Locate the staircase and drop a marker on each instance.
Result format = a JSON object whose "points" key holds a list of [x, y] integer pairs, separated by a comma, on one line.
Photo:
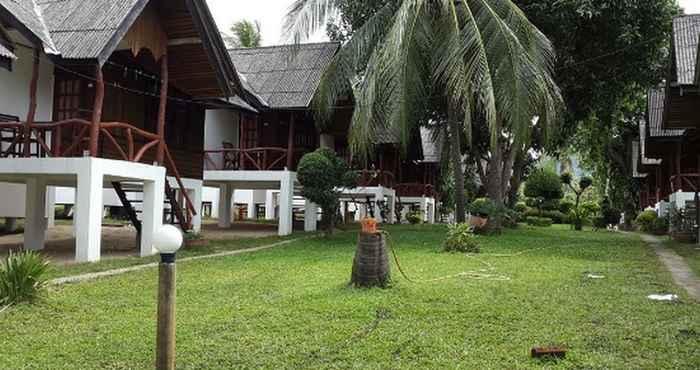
{"points": [[173, 212]]}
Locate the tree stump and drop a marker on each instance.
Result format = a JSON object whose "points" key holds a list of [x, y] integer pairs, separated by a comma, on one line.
{"points": [[371, 264]]}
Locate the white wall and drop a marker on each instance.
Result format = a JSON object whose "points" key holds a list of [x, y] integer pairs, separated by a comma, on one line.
{"points": [[14, 100], [220, 125]]}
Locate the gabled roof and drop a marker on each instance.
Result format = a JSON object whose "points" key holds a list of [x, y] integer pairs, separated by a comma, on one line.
{"points": [[655, 114], [686, 36], [25, 15], [89, 29], [6, 53], [285, 76]]}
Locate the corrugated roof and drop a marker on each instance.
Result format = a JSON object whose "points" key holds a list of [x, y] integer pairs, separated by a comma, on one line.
{"points": [[83, 29], [285, 76], [655, 113], [686, 35], [29, 15], [6, 53]]}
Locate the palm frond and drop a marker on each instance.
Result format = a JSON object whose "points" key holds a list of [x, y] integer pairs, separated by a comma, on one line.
{"points": [[305, 17]]}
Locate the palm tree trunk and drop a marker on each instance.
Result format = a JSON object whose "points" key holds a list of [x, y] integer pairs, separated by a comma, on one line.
{"points": [[494, 185], [457, 169]]}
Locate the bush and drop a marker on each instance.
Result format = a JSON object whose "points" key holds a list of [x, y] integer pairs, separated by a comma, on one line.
{"points": [[22, 277], [521, 207], [461, 238], [483, 207], [660, 226], [545, 184], [645, 221], [565, 206], [556, 216], [414, 217], [539, 221], [599, 222]]}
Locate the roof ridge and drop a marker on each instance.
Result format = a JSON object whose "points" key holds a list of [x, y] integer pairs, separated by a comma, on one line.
{"points": [[287, 45]]}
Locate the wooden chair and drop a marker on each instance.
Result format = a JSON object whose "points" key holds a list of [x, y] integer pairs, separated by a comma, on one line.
{"points": [[231, 158]]}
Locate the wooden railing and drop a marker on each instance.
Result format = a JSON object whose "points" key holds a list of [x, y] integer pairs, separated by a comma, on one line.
{"points": [[375, 178], [415, 190], [252, 159], [688, 182], [132, 147]]}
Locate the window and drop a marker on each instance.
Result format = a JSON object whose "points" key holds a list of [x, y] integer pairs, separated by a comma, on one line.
{"points": [[249, 133], [68, 99]]}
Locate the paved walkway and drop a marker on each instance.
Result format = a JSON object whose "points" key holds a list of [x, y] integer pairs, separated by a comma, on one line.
{"points": [[114, 272], [682, 275]]}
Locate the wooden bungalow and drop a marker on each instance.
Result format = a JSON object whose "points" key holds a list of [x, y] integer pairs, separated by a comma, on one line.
{"points": [[131, 83]]}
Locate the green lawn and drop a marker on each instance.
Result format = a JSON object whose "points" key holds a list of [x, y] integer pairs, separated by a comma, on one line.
{"points": [[291, 308], [691, 253]]}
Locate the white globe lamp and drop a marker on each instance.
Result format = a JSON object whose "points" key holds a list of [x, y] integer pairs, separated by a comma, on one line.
{"points": [[168, 239]]}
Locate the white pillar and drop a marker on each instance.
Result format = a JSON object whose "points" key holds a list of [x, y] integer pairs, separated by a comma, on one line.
{"points": [[251, 206], [269, 205], [88, 215], [327, 141], [378, 197], [196, 197], [152, 216], [424, 208], [286, 204], [392, 208], [225, 198], [51, 206], [431, 210], [35, 215], [310, 216]]}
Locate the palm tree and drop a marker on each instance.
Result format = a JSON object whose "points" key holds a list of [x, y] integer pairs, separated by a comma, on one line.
{"points": [[246, 34], [481, 55]]}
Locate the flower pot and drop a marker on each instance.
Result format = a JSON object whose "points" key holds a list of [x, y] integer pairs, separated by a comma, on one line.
{"points": [[478, 222]]}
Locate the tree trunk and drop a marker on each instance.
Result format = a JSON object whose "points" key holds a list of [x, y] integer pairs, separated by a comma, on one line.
{"points": [[457, 169], [494, 184], [516, 180]]}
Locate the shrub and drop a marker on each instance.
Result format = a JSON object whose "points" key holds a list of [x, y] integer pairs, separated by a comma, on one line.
{"points": [[521, 207], [539, 221], [565, 206], [483, 207], [544, 184], [22, 277], [414, 217], [660, 226], [556, 216], [645, 221], [461, 238], [599, 222]]}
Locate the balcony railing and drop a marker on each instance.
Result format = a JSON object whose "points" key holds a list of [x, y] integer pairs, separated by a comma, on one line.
{"points": [[367, 178], [252, 159], [688, 182], [415, 190]]}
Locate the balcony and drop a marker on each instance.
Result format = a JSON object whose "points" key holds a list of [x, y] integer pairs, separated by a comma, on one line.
{"points": [[415, 190], [252, 159], [684, 182]]}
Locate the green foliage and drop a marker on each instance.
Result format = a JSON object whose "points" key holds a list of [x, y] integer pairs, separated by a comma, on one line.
{"points": [[645, 221], [246, 34], [599, 223], [659, 226], [565, 206], [557, 217], [322, 174], [539, 221], [521, 207], [545, 184], [461, 238], [483, 207], [22, 277], [414, 217]]}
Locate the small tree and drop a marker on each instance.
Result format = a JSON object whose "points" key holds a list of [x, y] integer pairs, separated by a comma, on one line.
{"points": [[322, 174], [583, 184], [544, 186], [246, 34]]}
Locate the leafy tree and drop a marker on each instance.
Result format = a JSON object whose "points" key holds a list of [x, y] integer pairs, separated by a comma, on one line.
{"points": [[609, 52], [476, 56], [544, 187], [246, 34], [322, 174], [578, 189]]}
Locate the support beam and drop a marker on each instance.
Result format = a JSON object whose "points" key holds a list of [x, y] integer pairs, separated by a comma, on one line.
{"points": [[290, 143], [97, 111], [88, 216], [196, 196], [225, 204], [286, 204], [162, 109], [679, 152], [31, 112], [152, 217], [35, 223]]}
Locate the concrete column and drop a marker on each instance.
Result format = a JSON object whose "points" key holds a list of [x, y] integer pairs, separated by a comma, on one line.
{"points": [[35, 215], [269, 205], [392, 208], [378, 197], [225, 200], [51, 206], [196, 197], [431, 211], [286, 204], [327, 141], [251, 206], [88, 216], [424, 208], [310, 216], [152, 216]]}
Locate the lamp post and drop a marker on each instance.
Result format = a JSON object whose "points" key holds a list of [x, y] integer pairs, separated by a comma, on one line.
{"points": [[167, 241]]}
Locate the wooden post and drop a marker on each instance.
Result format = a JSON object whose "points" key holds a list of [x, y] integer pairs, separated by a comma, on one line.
{"points": [[679, 182], [290, 143], [97, 111], [162, 108], [31, 113], [165, 336], [657, 181]]}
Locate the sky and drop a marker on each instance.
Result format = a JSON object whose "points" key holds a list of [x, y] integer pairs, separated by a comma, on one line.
{"points": [[271, 14]]}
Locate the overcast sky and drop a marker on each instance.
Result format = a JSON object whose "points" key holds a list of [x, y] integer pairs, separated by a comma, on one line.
{"points": [[271, 14]]}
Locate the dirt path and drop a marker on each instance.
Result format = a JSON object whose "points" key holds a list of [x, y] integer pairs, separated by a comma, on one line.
{"points": [[682, 275]]}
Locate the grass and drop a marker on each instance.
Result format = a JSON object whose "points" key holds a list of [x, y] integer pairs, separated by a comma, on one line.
{"points": [[290, 307]]}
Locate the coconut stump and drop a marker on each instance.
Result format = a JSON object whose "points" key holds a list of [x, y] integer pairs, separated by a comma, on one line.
{"points": [[371, 265]]}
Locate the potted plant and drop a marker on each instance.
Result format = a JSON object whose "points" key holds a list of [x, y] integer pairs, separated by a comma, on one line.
{"points": [[193, 240]]}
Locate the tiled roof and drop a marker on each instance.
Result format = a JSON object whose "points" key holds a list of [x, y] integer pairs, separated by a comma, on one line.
{"points": [[284, 76], [686, 35], [655, 113], [28, 14], [83, 29]]}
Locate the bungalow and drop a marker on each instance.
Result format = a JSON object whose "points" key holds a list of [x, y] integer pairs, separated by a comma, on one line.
{"points": [[112, 95]]}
